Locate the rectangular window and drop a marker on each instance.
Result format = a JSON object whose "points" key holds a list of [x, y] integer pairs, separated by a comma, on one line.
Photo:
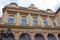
{"points": [[53, 22], [24, 20], [45, 22], [11, 19], [35, 21]]}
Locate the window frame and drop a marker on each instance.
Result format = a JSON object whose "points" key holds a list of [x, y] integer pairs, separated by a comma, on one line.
{"points": [[53, 23], [35, 21], [45, 21], [11, 18], [23, 20]]}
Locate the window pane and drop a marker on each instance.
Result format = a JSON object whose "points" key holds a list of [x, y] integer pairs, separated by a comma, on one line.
{"points": [[9, 37], [53, 22], [24, 20], [51, 37], [35, 21], [39, 37], [24, 37], [11, 19], [45, 22]]}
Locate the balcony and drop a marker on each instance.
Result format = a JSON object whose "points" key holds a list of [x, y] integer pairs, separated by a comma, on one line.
{"points": [[27, 26]]}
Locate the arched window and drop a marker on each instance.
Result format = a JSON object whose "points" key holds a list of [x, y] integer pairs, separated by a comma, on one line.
{"points": [[24, 37], [51, 37], [7, 37], [39, 37], [59, 36]]}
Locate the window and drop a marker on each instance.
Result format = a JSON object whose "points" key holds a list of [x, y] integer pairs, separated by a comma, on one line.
{"points": [[35, 21], [24, 37], [39, 37], [11, 19], [51, 37], [45, 22], [24, 20], [53, 22], [8, 36]]}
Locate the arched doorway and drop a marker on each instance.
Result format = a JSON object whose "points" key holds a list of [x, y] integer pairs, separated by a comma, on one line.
{"points": [[39, 37], [51, 37], [24, 36]]}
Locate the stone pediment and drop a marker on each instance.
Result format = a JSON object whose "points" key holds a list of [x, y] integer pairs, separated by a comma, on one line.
{"points": [[13, 5], [32, 6]]}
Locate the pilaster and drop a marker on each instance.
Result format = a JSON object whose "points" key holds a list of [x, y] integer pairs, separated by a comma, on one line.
{"points": [[5, 17], [41, 20], [30, 19], [18, 18]]}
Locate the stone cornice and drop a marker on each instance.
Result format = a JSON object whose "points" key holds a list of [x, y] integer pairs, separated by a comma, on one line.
{"points": [[29, 27], [28, 11]]}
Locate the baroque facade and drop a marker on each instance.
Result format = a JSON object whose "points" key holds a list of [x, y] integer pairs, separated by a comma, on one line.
{"points": [[21, 23]]}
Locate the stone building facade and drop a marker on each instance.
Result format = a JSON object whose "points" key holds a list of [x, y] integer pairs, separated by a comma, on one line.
{"points": [[20, 23]]}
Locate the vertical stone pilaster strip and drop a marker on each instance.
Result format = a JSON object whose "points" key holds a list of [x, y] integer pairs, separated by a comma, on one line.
{"points": [[39, 23], [18, 18], [30, 19], [41, 20], [5, 17], [49, 21]]}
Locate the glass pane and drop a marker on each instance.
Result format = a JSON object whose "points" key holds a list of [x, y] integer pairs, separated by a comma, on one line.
{"points": [[11, 19], [35, 21], [9, 37], [39, 37], [23, 21], [51, 37], [24, 37], [45, 22], [54, 23]]}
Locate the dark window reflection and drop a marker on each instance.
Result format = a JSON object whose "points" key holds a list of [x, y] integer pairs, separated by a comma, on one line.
{"points": [[7, 37], [24, 37], [51, 37], [39, 37]]}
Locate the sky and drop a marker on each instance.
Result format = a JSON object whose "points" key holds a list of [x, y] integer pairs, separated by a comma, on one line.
{"points": [[40, 4]]}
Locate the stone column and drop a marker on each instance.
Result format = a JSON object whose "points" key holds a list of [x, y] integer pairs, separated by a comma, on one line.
{"points": [[18, 18], [45, 36], [30, 19]]}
